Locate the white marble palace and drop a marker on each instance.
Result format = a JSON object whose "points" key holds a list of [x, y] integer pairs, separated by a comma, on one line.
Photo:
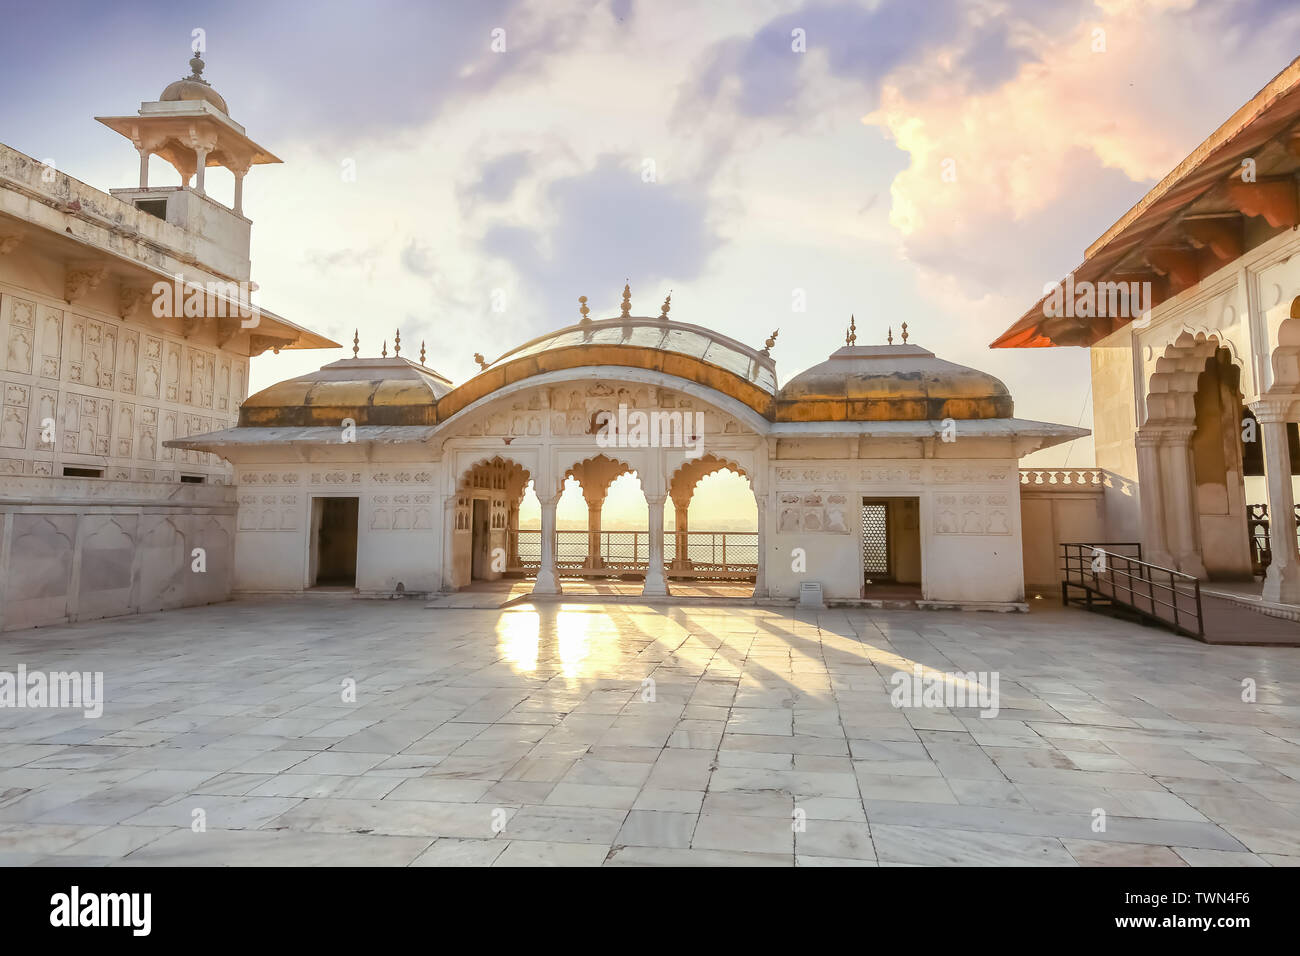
{"points": [[137, 474]]}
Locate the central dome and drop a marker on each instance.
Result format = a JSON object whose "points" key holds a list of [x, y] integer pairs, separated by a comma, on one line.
{"points": [[891, 383]]}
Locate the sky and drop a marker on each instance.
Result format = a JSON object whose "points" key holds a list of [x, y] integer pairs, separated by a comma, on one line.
{"points": [[464, 171]]}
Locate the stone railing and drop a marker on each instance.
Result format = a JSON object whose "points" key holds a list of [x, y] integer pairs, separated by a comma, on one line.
{"points": [[1074, 479], [64, 492]]}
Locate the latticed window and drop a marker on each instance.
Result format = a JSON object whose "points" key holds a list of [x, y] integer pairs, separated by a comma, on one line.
{"points": [[875, 541]]}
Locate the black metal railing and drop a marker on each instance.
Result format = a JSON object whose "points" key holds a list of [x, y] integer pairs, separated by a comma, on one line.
{"points": [[1113, 581], [1261, 549], [717, 555]]}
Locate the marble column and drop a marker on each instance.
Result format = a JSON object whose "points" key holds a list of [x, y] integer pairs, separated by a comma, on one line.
{"points": [[594, 508], [512, 535], [1183, 516], [239, 191], [1155, 543], [548, 579], [760, 581], [449, 543], [144, 168], [1282, 581], [681, 562], [201, 165], [656, 583]]}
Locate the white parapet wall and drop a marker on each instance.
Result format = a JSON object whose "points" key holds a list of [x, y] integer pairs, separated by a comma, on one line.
{"points": [[75, 549]]}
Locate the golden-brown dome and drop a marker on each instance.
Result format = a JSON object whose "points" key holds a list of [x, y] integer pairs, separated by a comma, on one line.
{"points": [[891, 383], [194, 87], [370, 391]]}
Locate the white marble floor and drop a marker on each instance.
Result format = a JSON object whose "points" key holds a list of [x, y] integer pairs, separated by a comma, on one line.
{"points": [[593, 734]]}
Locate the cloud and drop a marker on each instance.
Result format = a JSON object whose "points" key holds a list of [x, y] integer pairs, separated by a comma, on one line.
{"points": [[499, 176], [1062, 140], [605, 224]]}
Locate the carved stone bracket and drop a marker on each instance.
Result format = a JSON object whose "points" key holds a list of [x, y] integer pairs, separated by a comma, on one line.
{"points": [[79, 282], [257, 344], [133, 301]]}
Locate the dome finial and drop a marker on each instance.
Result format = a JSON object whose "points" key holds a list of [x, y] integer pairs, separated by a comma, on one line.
{"points": [[904, 333], [889, 338], [851, 336], [482, 363], [384, 353], [397, 343], [627, 300], [771, 341], [196, 67], [421, 351], [667, 305], [356, 342], [583, 310]]}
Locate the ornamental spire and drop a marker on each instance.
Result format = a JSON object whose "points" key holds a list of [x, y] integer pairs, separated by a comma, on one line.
{"points": [[583, 310], [851, 336], [356, 342], [397, 343], [627, 300], [771, 341], [667, 305], [904, 333], [421, 351]]}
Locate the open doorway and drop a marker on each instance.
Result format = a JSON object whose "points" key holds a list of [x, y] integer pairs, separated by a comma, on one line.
{"points": [[891, 548], [480, 541], [334, 542]]}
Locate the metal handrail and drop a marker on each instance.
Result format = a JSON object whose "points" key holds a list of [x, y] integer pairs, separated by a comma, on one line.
{"points": [[1120, 573]]}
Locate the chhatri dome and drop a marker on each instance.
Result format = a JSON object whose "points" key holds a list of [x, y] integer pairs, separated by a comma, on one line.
{"points": [[194, 87], [890, 383]]}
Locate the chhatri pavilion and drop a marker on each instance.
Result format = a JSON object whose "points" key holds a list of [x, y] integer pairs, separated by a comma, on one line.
{"points": [[884, 471]]}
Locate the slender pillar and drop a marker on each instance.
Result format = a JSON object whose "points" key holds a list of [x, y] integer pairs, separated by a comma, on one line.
{"points": [[594, 508], [1184, 520], [1155, 543], [1282, 581], [656, 583], [201, 165], [144, 168], [681, 561], [239, 191], [760, 581], [548, 579], [512, 535], [449, 543]]}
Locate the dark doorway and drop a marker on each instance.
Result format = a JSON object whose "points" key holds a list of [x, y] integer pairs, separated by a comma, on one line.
{"points": [[891, 548], [336, 541], [479, 550]]}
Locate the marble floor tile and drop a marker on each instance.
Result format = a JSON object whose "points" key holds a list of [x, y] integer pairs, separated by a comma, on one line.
{"points": [[771, 739]]}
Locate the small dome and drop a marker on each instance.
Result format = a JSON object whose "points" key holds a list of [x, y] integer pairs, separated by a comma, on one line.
{"points": [[194, 87], [370, 391], [891, 383]]}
